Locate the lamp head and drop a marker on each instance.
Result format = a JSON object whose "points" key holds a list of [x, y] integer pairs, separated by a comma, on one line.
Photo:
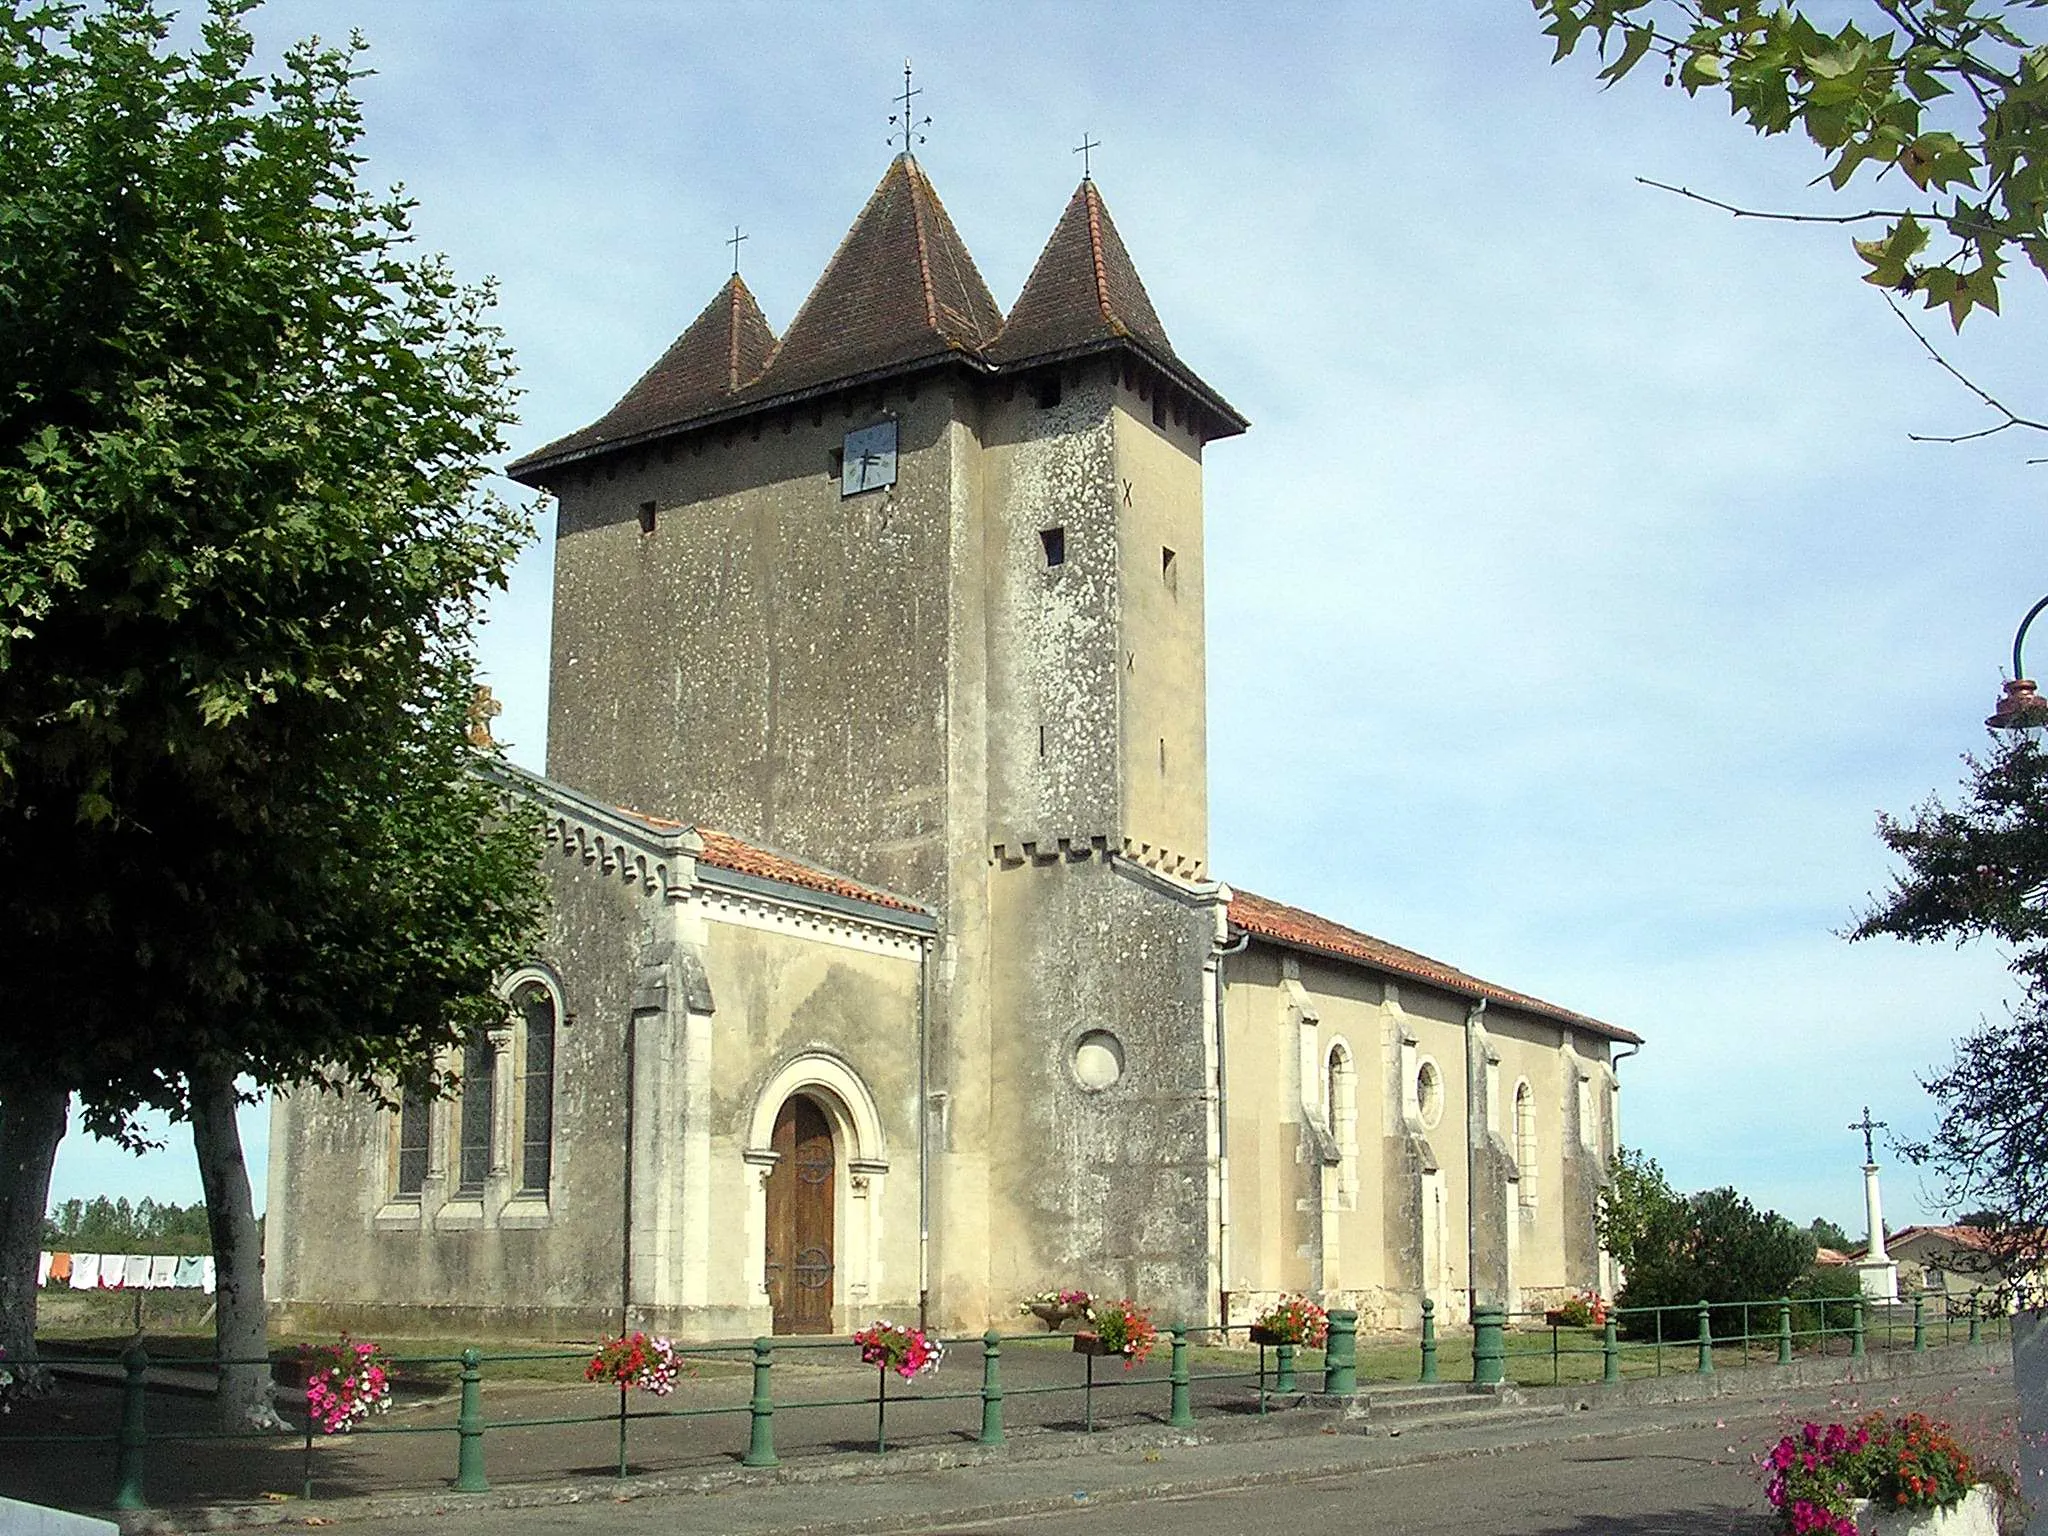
{"points": [[2020, 708]]}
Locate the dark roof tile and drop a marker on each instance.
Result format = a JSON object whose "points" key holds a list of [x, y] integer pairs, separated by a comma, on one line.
{"points": [[1085, 288], [900, 288], [723, 350]]}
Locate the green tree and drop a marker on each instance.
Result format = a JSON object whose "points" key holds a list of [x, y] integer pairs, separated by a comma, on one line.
{"points": [[1951, 95], [243, 547], [1827, 1235], [1677, 1250], [1640, 1213], [1980, 870]]}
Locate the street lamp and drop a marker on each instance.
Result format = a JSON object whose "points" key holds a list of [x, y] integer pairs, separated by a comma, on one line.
{"points": [[2021, 707]]}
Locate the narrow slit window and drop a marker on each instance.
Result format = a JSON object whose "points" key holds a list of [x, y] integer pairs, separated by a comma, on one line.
{"points": [[1162, 754], [1169, 571], [646, 517], [835, 464], [1054, 541], [1041, 741]]}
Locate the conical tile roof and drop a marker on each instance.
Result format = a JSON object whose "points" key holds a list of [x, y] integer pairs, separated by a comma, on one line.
{"points": [[723, 350], [900, 288], [1085, 288]]}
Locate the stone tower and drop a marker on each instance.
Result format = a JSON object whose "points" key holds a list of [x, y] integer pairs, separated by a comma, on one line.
{"points": [[915, 592]]}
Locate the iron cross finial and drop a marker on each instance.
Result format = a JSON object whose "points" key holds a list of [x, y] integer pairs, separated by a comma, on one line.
{"points": [[1082, 150], [903, 119], [1866, 1125], [734, 242]]}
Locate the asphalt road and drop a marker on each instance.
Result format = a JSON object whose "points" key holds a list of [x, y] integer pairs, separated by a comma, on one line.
{"points": [[1682, 1483], [1680, 1470]]}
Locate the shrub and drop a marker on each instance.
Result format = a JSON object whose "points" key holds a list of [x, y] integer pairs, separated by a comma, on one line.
{"points": [[1825, 1297], [1714, 1247]]}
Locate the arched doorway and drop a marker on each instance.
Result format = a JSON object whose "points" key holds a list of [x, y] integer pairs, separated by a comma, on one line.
{"points": [[800, 1191]]}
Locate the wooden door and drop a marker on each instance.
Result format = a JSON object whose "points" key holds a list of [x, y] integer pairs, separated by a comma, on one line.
{"points": [[800, 1196]]}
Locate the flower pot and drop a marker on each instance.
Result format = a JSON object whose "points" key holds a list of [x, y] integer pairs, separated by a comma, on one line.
{"points": [[1054, 1313], [1976, 1514], [1091, 1344], [1269, 1336]]}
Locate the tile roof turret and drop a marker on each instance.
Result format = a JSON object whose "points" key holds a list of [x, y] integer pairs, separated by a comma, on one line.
{"points": [[723, 351], [1085, 295], [1085, 288], [901, 288]]}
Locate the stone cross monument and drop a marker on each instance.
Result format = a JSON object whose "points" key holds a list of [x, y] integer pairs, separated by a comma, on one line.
{"points": [[1878, 1270]]}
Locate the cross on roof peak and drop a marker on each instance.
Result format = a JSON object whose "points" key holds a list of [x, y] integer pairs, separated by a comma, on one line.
{"points": [[903, 122], [734, 241], [1082, 150]]}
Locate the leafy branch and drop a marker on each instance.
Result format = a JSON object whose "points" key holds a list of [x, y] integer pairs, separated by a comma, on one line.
{"points": [[1950, 94]]}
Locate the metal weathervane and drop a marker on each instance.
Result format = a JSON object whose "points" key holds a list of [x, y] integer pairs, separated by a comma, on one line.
{"points": [[903, 121], [1866, 1125]]}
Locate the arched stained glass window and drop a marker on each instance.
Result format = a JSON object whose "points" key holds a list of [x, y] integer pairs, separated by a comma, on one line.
{"points": [[535, 1005]]}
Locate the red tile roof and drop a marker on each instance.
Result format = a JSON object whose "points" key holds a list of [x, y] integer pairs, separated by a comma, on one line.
{"points": [[1085, 288], [1283, 924], [724, 851], [721, 352], [1976, 1239]]}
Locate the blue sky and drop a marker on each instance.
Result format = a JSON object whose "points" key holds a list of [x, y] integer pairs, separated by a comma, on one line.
{"points": [[1577, 598]]}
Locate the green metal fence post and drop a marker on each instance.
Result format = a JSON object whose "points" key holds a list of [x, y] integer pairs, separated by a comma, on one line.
{"points": [[991, 1388], [469, 1427], [1340, 1359], [1706, 1340], [1428, 1339], [761, 1442], [1856, 1330], [1283, 1374], [1610, 1352], [1181, 1409], [1489, 1346], [1785, 1332], [1919, 1325], [134, 1431]]}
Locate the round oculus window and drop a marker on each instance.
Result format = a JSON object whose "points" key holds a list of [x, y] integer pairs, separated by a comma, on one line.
{"points": [[1429, 1094], [1098, 1059]]}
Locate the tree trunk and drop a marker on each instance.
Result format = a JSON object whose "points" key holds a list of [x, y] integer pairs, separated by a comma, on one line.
{"points": [[240, 1324], [31, 1125]]}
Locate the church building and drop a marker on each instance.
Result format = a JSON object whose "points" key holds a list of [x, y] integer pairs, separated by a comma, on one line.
{"points": [[886, 973]]}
